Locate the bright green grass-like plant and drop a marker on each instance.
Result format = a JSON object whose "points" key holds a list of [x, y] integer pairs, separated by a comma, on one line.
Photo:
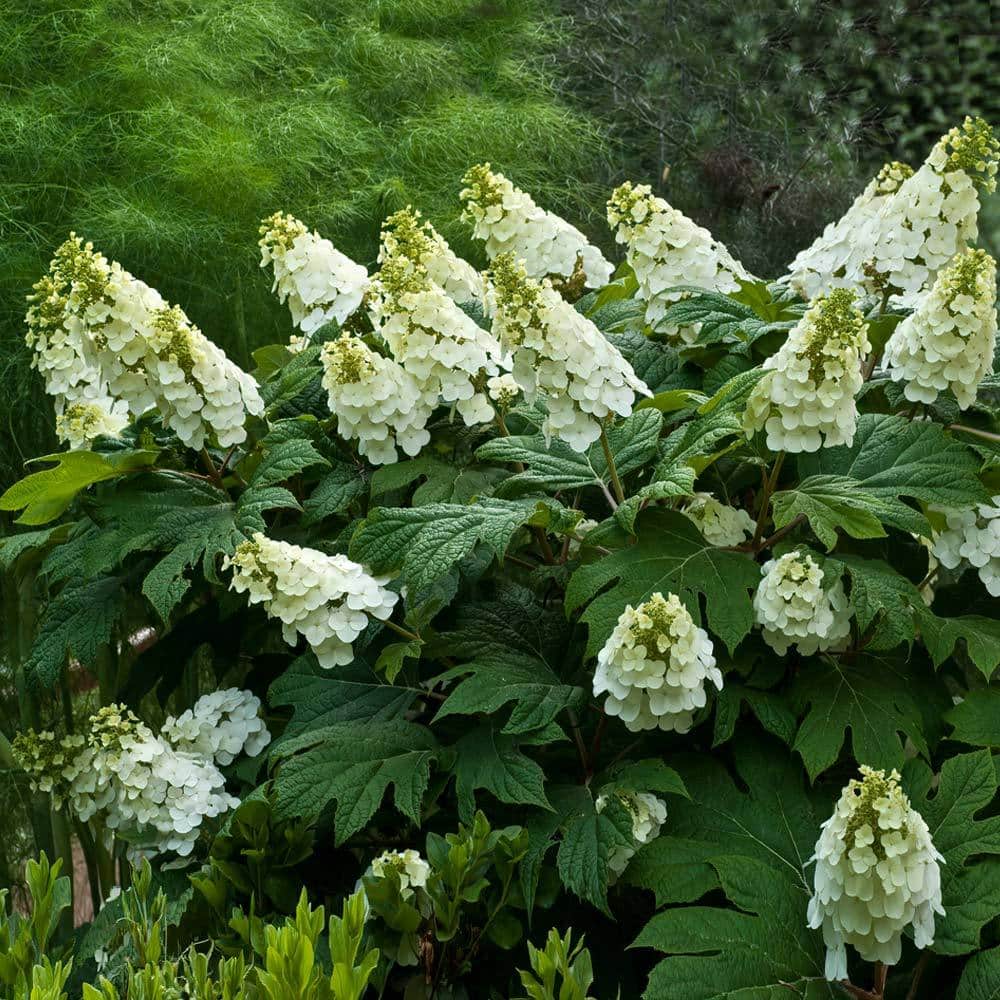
{"points": [[165, 129]]}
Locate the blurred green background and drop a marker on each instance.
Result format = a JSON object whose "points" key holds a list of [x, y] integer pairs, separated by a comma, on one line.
{"points": [[164, 129]]}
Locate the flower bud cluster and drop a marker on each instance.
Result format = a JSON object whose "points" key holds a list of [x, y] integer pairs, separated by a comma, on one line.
{"points": [[948, 342], [510, 222], [154, 791], [877, 873], [794, 606], [654, 666], [666, 249], [560, 355], [648, 814], [972, 537], [448, 354], [404, 235], [327, 599], [320, 284], [806, 399], [376, 402], [718, 522]]}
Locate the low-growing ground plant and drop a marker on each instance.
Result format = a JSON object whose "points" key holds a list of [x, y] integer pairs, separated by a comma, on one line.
{"points": [[573, 629]]}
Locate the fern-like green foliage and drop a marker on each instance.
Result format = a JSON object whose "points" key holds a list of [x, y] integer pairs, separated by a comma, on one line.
{"points": [[165, 129]]}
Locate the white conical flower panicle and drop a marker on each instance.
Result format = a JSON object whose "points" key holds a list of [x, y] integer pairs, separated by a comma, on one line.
{"points": [[376, 402], [320, 284], [666, 249], [510, 222], [154, 356], [67, 305], [837, 258], [405, 235], [932, 216], [948, 342], [448, 354], [560, 355], [795, 605], [327, 599], [877, 873], [718, 522], [84, 420], [154, 791], [806, 399], [137, 349], [654, 666], [648, 814], [220, 725], [973, 537]]}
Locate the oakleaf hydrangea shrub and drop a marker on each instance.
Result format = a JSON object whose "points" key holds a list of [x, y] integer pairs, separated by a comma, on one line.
{"points": [[523, 616]]}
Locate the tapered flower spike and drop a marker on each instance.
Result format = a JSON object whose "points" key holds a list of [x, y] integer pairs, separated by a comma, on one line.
{"points": [[510, 222], [948, 342], [654, 666], [327, 599], [377, 403], [559, 355], [795, 605], [320, 284], [666, 249], [877, 873], [806, 399]]}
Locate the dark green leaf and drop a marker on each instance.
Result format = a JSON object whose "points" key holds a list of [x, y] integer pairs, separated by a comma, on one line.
{"points": [[354, 764], [499, 678], [670, 557]]}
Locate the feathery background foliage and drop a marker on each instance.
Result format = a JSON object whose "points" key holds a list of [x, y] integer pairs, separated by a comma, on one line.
{"points": [[163, 130]]}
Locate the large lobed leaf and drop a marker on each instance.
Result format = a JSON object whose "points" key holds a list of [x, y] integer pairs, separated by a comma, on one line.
{"points": [[670, 556]]}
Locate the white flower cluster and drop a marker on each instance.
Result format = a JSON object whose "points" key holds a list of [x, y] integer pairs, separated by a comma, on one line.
{"points": [[560, 355], [654, 666], [648, 814], [445, 351], [877, 873], [948, 342], [65, 305], [408, 864], [220, 725], [837, 258], [793, 607], [717, 521], [666, 249], [83, 421], [972, 536], [933, 215], [155, 357], [806, 399], [404, 235], [117, 339], [413, 872], [153, 791], [503, 390], [510, 222], [319, 282], [376, 402], [325, 598]]}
